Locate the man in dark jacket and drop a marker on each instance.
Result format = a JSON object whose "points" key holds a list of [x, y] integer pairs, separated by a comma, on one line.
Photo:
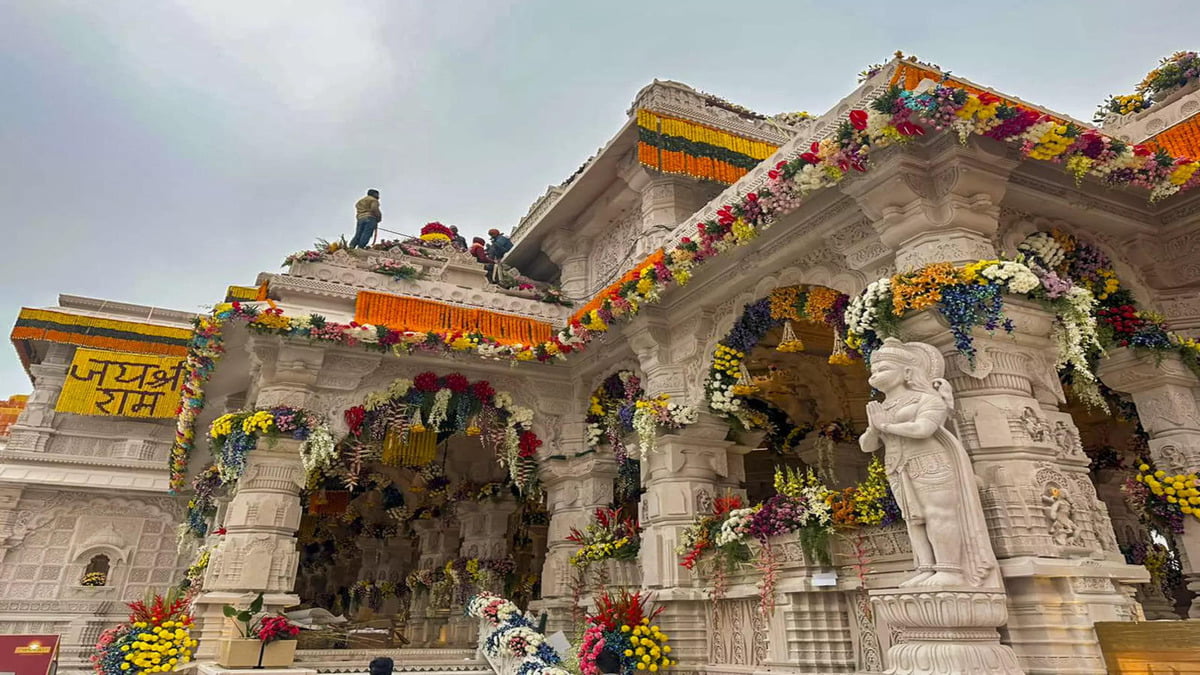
{"points": [[500, 245]]}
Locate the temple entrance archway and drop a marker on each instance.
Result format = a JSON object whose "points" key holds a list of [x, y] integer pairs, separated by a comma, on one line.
{"points": [[433, 498]]}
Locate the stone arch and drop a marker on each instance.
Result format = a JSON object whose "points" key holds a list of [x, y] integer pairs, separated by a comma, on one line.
{"points": [[728, 312], [1020, 227]]}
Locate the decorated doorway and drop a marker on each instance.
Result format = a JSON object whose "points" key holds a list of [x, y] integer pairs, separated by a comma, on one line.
{"points": [[430, 498]]}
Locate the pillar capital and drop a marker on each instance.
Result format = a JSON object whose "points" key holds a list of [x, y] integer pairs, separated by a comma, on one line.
{"points": [[935, 202]]}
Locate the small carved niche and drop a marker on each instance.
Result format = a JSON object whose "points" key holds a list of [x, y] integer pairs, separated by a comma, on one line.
{"points": [[96, 572]]}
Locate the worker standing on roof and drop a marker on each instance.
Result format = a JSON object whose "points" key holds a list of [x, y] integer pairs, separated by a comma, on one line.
{"points": [[367, 217], [496, 250]]}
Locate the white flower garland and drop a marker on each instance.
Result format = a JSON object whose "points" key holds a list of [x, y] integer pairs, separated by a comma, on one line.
{"points": [[318, 452], [860, 313], [1044, 248], [437, 413]]}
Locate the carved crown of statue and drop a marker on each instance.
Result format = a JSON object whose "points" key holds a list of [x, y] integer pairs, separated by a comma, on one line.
{"points": [[928, 468]]}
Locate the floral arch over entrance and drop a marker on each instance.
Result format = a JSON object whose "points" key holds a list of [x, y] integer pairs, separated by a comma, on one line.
{"points": [[403, 424]]}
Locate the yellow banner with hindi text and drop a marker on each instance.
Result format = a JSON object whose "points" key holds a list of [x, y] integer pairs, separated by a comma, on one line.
{"points": [[117, 384]]}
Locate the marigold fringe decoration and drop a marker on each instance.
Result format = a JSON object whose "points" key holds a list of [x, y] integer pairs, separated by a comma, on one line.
{"points": [[790, 342], [413, 314], [92, 331]]}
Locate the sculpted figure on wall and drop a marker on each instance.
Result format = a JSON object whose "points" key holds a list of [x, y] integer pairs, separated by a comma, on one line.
{"points": [[928, 468]]}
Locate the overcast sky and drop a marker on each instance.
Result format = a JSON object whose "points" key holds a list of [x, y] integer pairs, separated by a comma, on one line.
{"points": [[157, 151]]}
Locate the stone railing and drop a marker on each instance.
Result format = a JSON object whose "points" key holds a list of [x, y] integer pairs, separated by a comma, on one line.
{"points": [[335, 279], [1174, 107]]}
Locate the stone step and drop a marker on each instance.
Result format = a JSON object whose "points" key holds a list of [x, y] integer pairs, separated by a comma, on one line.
{"points": [[431, 661]]}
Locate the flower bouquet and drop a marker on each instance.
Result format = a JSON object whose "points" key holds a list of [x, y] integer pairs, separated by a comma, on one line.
{"points": [[609, 536], [156, 639], [436, 234], [623, 626], [267, 641], [396, 270]]}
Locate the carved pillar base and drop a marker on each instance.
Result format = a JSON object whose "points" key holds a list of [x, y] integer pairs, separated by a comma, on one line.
{"points": [[946, 631]]}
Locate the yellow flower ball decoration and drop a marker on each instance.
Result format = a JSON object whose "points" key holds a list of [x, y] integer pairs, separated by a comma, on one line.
{"points": [[260, 422], [158, 649], [1182, 489], [649, 647]]}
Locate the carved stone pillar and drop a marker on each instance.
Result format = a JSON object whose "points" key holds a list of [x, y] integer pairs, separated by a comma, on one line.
{"points": [[575, 487], [571, 253], [32, 430], [258, 553], [1165, 391], [437, 541], [484, 528], [1051, 533], [682, 476], [937, 202]]}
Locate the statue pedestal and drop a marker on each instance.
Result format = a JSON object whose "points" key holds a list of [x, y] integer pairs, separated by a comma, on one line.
{"points": [[946, 631]]}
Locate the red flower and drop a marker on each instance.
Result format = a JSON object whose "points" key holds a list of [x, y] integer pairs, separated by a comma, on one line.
{"points": [[988, 99], [1142, 151], [907, 128], [725, 215], [752, 196], [782, 163], [220, 532], [483, 391], [426, 382], [811, 156], [354, 419], [456, 383], [858, 119], [772, 174], [529, 444]]}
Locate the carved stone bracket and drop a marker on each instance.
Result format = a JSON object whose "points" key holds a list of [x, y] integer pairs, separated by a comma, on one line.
{"points": [[937, 203]]}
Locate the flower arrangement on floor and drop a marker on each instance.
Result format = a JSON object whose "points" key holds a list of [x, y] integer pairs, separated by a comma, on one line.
{"points": [[513, 636], [323, 249], [156, 638], [436, 233], [623, 624], [232, 436], [396, 270], [253, 623], [1173, 72], [868, 503], [893, 117], [397, 417], [1161, 499], [609, 535], [94, 579], [710, 534]]}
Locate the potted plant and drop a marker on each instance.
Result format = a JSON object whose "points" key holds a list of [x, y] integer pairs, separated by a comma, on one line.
{"points": [[264, 642]]}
